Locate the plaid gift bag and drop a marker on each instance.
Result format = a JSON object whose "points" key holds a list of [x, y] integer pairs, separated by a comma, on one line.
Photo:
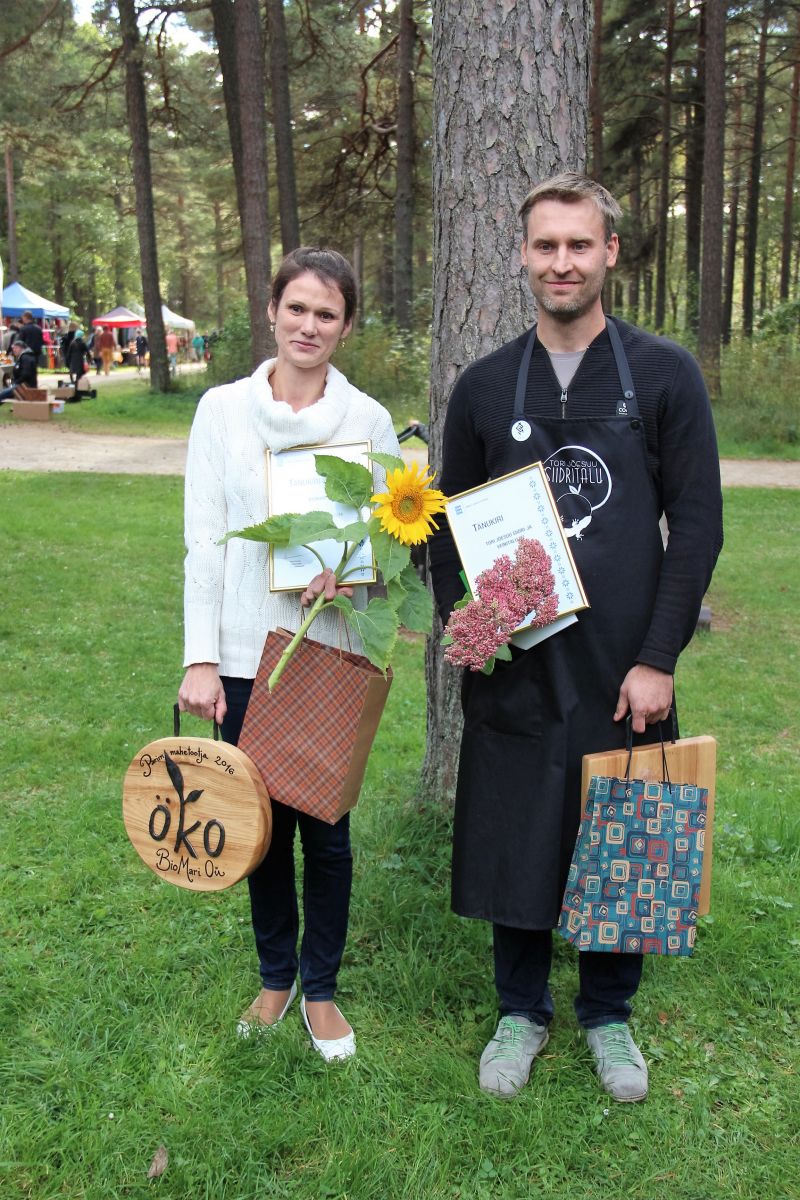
{"points": [[311, 737], [634, 881]]}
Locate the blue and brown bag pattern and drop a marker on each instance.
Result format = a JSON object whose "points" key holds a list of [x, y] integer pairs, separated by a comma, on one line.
{"points": [[634, 882]]}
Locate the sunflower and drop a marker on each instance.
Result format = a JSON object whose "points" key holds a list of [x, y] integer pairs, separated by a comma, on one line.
{"points": [[406, 509]]}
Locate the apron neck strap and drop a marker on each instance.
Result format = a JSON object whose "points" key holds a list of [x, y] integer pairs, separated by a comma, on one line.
{"points": [[627, 407]]}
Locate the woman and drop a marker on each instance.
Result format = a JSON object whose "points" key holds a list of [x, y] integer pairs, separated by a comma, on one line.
{"points": [[78, 358], [295, 399]]}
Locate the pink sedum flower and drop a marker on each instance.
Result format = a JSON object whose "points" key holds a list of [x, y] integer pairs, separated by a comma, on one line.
{"points": [[506, 592]]}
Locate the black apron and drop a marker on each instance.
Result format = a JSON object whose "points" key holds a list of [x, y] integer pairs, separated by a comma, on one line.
{"points": [[528, 724]]}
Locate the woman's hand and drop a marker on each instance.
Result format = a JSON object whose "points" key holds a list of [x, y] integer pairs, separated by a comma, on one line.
{"points": [[202, 693], [324, 582]]}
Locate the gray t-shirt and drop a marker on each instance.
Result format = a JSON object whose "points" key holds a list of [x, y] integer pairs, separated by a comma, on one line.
{"points": [[565, 364]]}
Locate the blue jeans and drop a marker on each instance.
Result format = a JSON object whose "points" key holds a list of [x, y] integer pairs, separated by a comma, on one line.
{"points": [[522, 968], [327, 880]]}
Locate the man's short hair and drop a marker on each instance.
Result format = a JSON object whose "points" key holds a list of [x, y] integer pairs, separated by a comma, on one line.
{"points": [[19, 342], [570, 187], [27, 314]]}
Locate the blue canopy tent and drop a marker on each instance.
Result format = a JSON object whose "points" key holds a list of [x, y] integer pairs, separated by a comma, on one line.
{"points": [[18, 299]]}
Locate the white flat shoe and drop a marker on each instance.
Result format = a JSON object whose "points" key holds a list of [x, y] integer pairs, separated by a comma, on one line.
{"points": [[332, 1048], [245, 1027]]}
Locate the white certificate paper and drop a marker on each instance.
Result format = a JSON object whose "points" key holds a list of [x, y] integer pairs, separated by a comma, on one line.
{"points": [[489, 520], [293, 486]]}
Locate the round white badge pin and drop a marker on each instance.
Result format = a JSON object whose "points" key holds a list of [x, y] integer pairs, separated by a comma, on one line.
{"points": [[520, 431]]}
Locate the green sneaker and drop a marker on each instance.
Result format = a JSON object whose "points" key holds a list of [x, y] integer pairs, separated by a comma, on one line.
{"points": [[622, 1070], [506, 1061]]}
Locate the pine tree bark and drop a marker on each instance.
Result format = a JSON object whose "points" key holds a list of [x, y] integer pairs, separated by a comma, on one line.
{"points": [[754, 180], [136, 103], [710, 323], [282, 126], [596, 92], [791, 161], [511, 88], [664, 172], [254, 214], [695, 140], [222, 12], [404, 174], [731, 241], [11, 203]]}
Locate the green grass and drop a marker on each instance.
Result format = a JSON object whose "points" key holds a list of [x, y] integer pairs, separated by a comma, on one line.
{"points": [[120, 992], [129, 407], [758, 415]]}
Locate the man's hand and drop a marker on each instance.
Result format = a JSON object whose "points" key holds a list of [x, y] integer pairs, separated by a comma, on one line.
{"points": [[202, 693], [324, 582], [647, 693]]}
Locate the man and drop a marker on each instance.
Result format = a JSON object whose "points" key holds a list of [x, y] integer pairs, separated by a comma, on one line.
{"points": [[31, 334], [141, 352], [106, 343], [24, 371], [622, 422]]}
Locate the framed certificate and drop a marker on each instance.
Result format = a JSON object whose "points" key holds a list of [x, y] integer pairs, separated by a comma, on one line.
{"points": [[489, 520], [293, 486]]}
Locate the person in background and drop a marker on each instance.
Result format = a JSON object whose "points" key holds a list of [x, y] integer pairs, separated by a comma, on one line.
{"points": [[172, 351], [198, 346], [297, 398], [106, 343], [141, 352], [66, 341], [78, 358], [25, 370], [32, 334]]}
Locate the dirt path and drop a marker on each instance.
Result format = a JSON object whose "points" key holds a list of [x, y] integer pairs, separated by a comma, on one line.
{"points": [[39, 446]]}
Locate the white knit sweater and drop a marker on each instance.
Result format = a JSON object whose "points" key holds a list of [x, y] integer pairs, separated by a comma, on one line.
{"points": [[228, 607]]}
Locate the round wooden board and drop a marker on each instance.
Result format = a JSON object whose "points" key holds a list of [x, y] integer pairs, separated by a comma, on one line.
{"points": [[202, 822]]}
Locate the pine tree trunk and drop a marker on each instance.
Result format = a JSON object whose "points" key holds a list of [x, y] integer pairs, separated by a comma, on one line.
{"points": [[222, 12], [142, 178], [510, 108], [220, 276], [282, 124], [404, 187], [664, 173], [255, 211], [11, 201], [710, 326], [754, 182], [695, 137], [791, 160], [595, 92], [729, 276]]}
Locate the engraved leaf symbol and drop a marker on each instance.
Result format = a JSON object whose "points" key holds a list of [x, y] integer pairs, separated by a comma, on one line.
{"points": [[159, 1164], [174, 773], [195, 795], [576, 491]]}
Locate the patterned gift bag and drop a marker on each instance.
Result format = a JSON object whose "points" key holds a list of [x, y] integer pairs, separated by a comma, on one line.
{"points": [[634, 881]]}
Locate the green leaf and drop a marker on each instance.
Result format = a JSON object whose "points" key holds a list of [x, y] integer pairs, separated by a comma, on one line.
{"points": [[488, 666], [376, 625], [275, 530], [389, 462], [354, 532], [312, 527], [412, 600], [391, 556], [503, 653], [345, 482]]}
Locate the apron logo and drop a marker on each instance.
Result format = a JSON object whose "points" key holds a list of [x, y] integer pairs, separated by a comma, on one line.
{"points": [[581, 484], [520, 431]]}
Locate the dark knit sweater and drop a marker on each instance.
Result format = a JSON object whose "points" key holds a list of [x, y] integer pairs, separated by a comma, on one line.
{"points": [[681, 452]]}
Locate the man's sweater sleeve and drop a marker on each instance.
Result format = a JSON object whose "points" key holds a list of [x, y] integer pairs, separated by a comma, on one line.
{"points": [[692, 501]]}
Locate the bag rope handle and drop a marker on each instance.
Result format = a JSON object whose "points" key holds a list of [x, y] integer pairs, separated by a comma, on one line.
{"points": [[629, 747], [176, 724]]}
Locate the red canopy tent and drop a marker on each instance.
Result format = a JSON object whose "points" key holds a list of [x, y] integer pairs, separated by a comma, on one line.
{"points": [[119, 318]]}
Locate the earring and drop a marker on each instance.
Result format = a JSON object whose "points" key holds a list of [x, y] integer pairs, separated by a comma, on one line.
{"points": [[271, 328], [343, 342]]}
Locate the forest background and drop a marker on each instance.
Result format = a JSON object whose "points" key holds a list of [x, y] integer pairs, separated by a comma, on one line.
{"points": [[271, 124]]}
